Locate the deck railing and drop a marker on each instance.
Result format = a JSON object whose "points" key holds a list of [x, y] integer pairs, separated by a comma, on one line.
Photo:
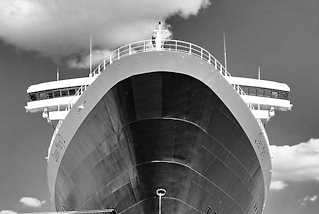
{"points": [[148, 46], [167, 45]]}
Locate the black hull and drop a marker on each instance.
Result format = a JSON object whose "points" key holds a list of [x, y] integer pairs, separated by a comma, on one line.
{"points": [[160, 130]]}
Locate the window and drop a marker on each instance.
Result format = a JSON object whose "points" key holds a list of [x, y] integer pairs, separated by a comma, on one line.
{"points": [[56, 94], [64, 93], [245, 89], [43, 96], [267, 92], [72, 92], [33, 97], [274, 94], [260, 92], [252, 91], [283, 95], [50, 94]]}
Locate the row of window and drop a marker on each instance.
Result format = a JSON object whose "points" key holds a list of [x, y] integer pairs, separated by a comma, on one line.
{"points": [[262, 107], [265, 92], [42, 95], [253, 91]]}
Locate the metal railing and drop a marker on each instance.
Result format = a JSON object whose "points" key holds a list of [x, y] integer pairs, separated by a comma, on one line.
{"points": [[79, 92], [167, 45]]}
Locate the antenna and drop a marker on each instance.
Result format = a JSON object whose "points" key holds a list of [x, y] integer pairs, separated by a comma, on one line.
{"points": [[259, 79], [259, 72], [225, 51], [57, 73], [90, 55]]}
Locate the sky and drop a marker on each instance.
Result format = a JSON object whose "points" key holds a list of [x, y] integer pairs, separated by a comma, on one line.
{"points": [[279, 35]]}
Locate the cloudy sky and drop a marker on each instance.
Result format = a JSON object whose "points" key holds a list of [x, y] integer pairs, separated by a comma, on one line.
{"points": [[280, 35]]}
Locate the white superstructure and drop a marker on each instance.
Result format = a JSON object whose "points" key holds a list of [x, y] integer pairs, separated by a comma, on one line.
{"points": [[264, 96], [54, 99]]}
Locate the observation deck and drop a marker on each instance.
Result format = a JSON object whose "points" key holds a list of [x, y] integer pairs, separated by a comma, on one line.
{"points": [[55, 99]]}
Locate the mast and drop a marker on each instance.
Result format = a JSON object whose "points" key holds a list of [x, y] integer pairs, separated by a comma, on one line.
{"points": [[90, 55], [225, 51], [259, 72], [57, 73]]}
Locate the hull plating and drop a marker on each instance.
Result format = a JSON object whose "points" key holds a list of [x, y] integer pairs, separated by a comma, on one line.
{"points": [[160, 130]]}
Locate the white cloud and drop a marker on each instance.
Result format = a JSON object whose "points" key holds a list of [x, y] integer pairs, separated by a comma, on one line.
{"points": [[31, 202], [277, 185], [295, 163], [307, 199], [62, 27], [8, 212], [313, 198], [84, 61]]}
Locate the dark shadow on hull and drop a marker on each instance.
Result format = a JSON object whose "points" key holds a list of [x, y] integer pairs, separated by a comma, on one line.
{"points": [[160, 130]]}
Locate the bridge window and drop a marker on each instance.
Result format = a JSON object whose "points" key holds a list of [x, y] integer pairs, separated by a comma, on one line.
{"points": [[56, 93], [50, 95], [33, 96], [72, 92], [42, 95], [252, 91], [260, 92], [245, 89], [274, 94], [283, 95], [64, 93], [265, 92]]}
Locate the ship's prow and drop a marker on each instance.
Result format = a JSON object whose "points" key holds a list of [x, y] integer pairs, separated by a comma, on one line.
{"points": [[162, 114]]}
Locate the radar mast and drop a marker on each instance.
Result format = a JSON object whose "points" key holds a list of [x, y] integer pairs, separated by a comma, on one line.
{"points": [[160, 34]]}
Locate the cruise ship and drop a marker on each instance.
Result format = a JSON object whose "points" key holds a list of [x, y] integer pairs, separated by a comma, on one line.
{"points": [[159, 126]]}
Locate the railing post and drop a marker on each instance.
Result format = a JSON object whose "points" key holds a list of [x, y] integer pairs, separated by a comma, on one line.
{"points": [[190, 48], [201, 53], [144, 46], [176, 45], [221, 69], [118, 54], [104, 64], [111, 58]]}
